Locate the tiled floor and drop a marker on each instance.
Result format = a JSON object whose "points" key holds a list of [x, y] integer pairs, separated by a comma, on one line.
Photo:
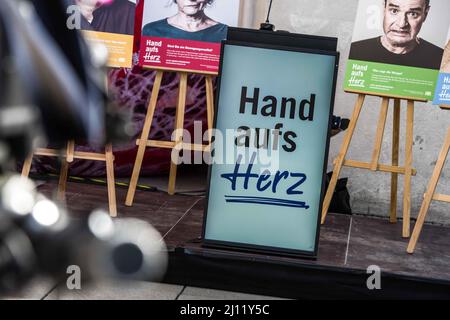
{"points": [[345, 241], [36, 290], [353, 242], [376, 242], [47, 290]]}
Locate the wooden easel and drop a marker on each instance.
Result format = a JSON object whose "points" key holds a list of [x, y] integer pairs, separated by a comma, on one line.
{"points": [[68, 156], [144, 141], [374, 165], [431, 194]]}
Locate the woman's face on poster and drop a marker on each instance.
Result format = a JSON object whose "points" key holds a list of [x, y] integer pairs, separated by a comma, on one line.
{"points": [[191, 7]]}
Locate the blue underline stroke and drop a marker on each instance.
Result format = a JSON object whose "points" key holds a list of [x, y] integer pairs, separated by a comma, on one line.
{"points": [[262, 198], [267, 201]]}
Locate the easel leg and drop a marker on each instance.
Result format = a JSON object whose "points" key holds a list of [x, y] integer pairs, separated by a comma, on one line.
{"points": [[210, 104], [65, 171], [144, 137], [27, 166], [408, 169], [395, 156], [70, 151], [380, 134], [63, 180], [429, 194], [179, 132], [341, 157], [111, 181]]}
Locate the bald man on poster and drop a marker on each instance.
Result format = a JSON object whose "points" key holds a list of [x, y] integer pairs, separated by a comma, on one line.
{"points": [[400, 44]]}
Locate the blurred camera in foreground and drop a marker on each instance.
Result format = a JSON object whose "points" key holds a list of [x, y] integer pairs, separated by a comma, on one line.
{"points": [[37, 237]]}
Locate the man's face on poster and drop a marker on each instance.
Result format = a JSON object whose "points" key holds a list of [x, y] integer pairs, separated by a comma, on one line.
{"points": [[403, 20], [191, 7]]}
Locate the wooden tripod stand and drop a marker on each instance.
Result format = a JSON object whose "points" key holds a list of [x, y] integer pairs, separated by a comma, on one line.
{"points": [[143, 142], [431, 194], [69, 155], [374, 165]]}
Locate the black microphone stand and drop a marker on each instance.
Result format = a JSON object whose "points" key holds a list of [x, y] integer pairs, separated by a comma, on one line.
{"points": [[267, 26]]}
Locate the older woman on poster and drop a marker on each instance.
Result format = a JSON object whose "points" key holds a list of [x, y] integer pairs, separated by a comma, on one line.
{"points": [[189, 23]]}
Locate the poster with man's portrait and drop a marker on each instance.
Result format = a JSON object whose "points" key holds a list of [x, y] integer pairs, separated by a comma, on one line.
{"points": [[397, 48], [110, 23], [442, 95], [186, 35]]}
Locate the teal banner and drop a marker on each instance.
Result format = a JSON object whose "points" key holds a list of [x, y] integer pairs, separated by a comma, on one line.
{"points": [[274, 111]]}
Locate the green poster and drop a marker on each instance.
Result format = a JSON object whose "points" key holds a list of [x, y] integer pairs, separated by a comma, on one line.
{"points": [[397, 48], [390, 80]]}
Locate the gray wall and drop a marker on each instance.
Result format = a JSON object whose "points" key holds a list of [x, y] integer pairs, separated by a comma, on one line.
{"points": [[370, 192]]}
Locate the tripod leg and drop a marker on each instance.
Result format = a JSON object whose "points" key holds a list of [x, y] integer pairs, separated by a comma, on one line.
{"points": [[395, 156], [408, 169], [210, 103], [27, 166], [144, 137], [70, 151], [111, 181], [64, 172], [341, 157], [179, 126], [429, 194], [380, 134]]}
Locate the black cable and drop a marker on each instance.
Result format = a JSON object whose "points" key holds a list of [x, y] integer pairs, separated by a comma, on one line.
{"points": [[268, 13], [267, 26]]}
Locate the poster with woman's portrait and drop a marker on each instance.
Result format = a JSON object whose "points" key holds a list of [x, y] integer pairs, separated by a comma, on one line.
{"points": [[442, 95], [397, 48], [186, 35], [110, 23]]}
